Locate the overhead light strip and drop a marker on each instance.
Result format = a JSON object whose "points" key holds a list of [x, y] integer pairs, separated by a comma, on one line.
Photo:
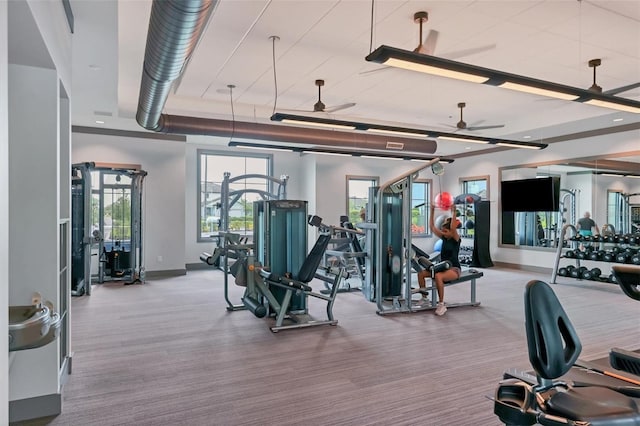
{"points": [[339, 152], [433, 65], [403, 131]]}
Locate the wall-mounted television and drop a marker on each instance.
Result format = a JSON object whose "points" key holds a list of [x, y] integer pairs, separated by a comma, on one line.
{"points": [[531, 195]]}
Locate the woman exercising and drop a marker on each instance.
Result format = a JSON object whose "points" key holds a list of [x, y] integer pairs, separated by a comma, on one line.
{"points": [[448, 232]]}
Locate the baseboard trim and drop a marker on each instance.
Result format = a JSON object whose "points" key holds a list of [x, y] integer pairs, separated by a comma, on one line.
{"points": [[528, 268], [167, 273], [198, 266], [36, 407]]}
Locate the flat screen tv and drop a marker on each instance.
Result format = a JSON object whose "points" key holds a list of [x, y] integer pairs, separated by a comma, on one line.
{"points": [[531, 195]]}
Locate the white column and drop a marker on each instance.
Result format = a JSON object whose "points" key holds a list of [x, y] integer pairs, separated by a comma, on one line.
{"points": [[4, 215], [33, 215]]}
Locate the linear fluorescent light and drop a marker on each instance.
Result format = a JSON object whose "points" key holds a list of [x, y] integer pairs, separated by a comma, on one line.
{"points": [[266, 148], [337, 154], [458, 70], [459, 139], [612, 105], [401, 131], [377, 157], [538, 91], [633, 176], [512, 145], [317, 124], [412, 66], [396, 132]]}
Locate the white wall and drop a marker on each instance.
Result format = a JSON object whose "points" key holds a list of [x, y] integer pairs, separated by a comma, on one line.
{"points": [[163, 190], [4, 214], [52, 24]]}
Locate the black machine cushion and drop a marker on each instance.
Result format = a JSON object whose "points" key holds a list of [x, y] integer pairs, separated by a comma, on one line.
{"points": [[595, 404], [628, 277], [311, 263], [552, 341]]}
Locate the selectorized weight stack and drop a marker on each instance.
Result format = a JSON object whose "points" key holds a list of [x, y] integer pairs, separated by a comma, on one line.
{"points": [[280, 241]]}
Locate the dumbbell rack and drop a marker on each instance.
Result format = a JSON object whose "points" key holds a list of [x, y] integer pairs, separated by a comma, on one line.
{"points": [[625, 249]]}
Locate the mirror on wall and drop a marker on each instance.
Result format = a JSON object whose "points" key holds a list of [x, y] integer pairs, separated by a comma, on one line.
{"points": [[537, 200]]}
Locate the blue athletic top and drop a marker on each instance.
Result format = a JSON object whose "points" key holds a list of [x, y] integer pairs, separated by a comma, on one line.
{"points": [[450, 251]]}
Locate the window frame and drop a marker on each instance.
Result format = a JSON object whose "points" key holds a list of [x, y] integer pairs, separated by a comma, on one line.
{"points": [[349, 178], [211, 152], [428, 197], [464, 180]]}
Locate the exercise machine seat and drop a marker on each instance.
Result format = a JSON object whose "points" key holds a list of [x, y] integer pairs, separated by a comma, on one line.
{"points": [[628, 278], [554, 347], [553, 343]]}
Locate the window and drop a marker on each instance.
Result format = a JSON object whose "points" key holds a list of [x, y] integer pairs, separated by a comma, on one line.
{"points": [[211, 169], [476, 185], [420, 199], [358, 195], [615, 210]]}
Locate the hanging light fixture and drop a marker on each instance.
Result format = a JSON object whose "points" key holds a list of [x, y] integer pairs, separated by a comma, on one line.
{"points": [[441, 67], [401, 131]]}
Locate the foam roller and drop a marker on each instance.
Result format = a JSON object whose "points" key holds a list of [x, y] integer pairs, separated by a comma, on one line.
{"points": [[207, 258], [256, 308]]}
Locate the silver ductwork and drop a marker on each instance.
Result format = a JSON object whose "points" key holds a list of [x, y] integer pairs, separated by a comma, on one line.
{"points": [[174, 30]]}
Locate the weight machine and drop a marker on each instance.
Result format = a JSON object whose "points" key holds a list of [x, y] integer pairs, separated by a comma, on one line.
{"points": [[233, 246], [388, 234], [276, 271], [106, 206]]}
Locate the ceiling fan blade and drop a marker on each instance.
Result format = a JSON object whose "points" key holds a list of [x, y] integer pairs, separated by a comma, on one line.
{"points": [[621, 89], [373, 71], [429, 45], [467, 52], [340, 107], [496, 126]]}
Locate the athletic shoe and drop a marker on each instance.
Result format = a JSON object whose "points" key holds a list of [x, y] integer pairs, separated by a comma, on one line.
{"points": [[422, 290], [441, 309]]}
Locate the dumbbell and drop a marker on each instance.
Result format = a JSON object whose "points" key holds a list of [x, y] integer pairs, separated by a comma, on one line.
{"points": [[593, 274], [612, 278], [635, 259], [570, 254], [563, 272], [577, 272], [622, 257], [608, 256]]}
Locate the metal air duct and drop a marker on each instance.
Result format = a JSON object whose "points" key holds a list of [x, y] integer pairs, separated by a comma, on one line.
{"points": [[174, 30]]}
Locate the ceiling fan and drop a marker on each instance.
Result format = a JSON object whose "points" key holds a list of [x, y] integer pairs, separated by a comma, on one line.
{"points": [[321, 107], [462, 125], [427, 45], [595, 63]]}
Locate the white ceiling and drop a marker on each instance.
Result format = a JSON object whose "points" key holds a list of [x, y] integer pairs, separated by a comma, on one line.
{"points": [[327, 39]]}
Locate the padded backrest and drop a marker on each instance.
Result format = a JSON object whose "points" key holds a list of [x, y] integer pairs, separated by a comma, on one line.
{"points": [[311, 263], [553, 343]]}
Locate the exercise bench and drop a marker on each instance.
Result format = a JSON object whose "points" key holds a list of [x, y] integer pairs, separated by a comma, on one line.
{"points": [[470, 275]]}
